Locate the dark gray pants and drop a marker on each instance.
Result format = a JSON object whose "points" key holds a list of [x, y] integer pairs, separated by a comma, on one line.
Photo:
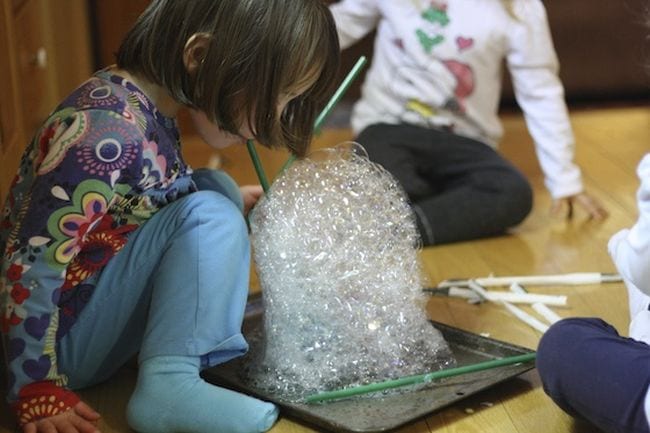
{"points": [[459, 188]]}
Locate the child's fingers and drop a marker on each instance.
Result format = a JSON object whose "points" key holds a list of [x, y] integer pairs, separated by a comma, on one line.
{"points": [[558, 208], [81, 419], [86, 412], [82, 425], [45, 426], [65, 427], [251, 194], [29, 428], [592, 206]]}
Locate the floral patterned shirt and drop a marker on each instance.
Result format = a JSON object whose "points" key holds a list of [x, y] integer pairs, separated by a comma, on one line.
{"points": [[102, 164]]}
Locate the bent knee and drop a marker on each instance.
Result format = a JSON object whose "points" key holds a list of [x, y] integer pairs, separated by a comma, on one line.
{"points": [[564, 340], [512, 196], [211, 201], [521, 196], [517, 197], [563, 334], [212, 208], [219, 181]]}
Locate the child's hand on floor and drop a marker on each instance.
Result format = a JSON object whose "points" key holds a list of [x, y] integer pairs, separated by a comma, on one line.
{"points": [[588, 203], [80, 419]]}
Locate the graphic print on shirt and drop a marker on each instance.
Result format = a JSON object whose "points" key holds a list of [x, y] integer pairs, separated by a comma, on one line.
{"points": [[436, 15], [455, 78]]}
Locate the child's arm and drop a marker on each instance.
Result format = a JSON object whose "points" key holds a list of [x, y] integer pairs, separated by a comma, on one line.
{"points": [[355, 19], [60, 197], [533, 66]]}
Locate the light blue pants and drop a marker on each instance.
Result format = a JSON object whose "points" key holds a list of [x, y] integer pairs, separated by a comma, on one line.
{"points": [[178, 287]]}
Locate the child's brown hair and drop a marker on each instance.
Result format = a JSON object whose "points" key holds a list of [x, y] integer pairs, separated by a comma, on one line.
{"points": [[258, 50]]}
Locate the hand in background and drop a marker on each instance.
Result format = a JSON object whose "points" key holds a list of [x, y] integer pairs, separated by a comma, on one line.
{"points": [[588, 203], [251, 194], [80, 419]]}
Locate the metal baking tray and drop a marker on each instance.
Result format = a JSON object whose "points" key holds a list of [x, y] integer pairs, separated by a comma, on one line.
{"points": [[383, 413]]}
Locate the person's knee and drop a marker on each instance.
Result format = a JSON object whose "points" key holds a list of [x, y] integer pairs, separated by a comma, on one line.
{"points": [[568, 332], [376, 141], [517, 197], [212, 203], [554, 342], [511, 195], [216, 211], [219, 181], [523, 195], [554, 352], [561, 336], [561, 344]]}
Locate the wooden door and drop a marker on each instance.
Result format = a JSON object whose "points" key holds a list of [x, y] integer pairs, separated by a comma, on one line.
{"points": [[11, 121], [112, 20]]}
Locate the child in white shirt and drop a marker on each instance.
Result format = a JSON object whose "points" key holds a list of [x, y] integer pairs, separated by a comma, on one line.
{"points": [[429, 109]]}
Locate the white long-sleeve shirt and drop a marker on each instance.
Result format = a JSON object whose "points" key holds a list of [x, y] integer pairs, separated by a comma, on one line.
{"points": [[439, 63], [630, 250]]}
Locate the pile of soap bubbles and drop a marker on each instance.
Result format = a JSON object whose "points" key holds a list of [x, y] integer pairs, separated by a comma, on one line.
{"points": [[336, 250]]}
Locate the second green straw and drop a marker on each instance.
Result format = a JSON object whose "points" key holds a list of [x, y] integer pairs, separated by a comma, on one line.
{"points": [[421, 378]]}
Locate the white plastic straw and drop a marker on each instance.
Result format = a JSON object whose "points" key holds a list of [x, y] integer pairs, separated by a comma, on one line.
{"points": [[512, 297], [516, 311], [526, 318], [541, 309], [575, 278]]}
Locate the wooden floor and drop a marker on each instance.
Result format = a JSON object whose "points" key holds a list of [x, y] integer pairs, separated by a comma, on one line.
{"points": [[610, 144]]}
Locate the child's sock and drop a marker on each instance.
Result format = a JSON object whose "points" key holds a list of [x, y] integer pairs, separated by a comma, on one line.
{"points": [[171, 397]]}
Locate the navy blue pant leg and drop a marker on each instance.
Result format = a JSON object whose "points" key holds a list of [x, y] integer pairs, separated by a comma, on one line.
{"points": [[593, 373]]}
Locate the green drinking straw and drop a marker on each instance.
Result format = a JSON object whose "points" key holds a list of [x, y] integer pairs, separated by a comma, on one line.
{"points": [[347, 81], [258, 165], [421, 378]]}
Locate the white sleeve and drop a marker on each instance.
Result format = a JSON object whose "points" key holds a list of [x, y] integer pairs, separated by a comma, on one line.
{"points": [[355, 19], [630, 249], [533, 66]]}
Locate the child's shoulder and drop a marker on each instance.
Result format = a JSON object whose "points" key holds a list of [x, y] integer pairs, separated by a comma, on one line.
{"points": [[103, 91], [107, 101]]}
